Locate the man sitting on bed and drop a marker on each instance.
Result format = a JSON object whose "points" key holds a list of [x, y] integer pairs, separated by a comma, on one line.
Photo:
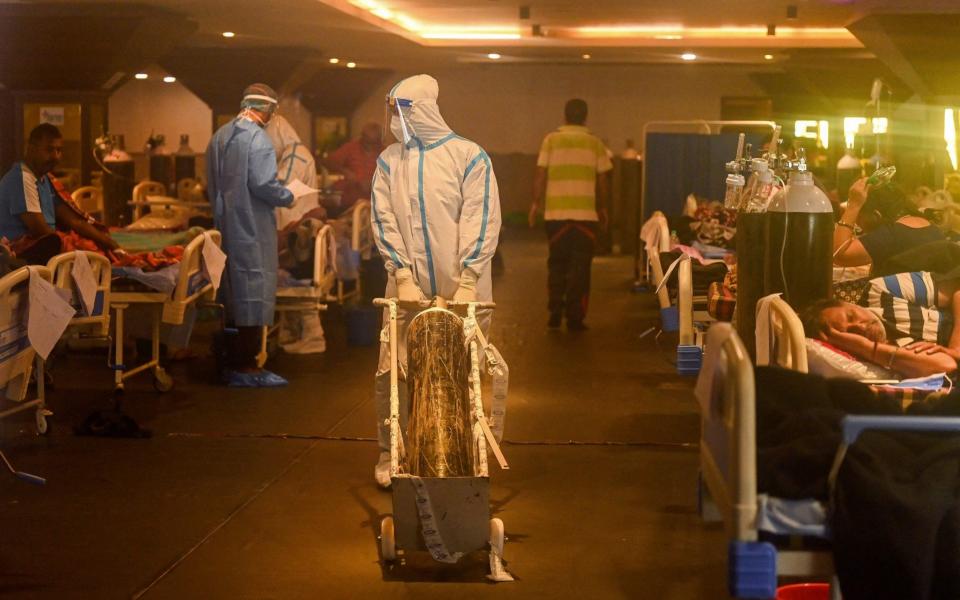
{"points": [[31, 205], [908, 323]]}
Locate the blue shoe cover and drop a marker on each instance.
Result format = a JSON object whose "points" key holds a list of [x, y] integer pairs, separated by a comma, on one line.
{"points": [[238, 379], [267, 379]]}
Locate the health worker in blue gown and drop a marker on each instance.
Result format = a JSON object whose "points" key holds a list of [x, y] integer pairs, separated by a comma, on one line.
{"points": [[244, 191]]}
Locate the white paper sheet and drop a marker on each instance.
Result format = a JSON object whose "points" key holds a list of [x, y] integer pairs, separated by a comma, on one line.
{"points": [[47, 316], [86, 283], [300, 189], [214, 259]]}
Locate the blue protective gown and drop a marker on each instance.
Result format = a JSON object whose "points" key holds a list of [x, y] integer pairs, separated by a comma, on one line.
{"points": [[243, 188]]}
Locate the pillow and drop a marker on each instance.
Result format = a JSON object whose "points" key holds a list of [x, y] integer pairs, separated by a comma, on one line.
{"points": [[827, 361]]}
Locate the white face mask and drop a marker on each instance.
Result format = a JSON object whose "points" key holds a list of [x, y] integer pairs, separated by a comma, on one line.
{"points": [[397, 129]]}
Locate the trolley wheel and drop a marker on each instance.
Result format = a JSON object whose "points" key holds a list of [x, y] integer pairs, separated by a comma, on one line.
{"points": [[162, 381], [496, 536], [388, 542], [41, 422]]}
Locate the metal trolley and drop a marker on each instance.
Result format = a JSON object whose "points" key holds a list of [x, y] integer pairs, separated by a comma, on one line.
{"points": [[447, 516]]}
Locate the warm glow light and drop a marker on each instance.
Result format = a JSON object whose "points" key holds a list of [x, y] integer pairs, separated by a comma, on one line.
{"points": [[879, 124], [141, 76], [169, 79], [586, 57], [407, 23], [228, 34], [351, 65], [334, 61], [383, 13], [767, 57], [813, 130], [493, 56], [468, 35], [950, 135], [801, 129], [666, 32], [851, 126], [688, 56]]}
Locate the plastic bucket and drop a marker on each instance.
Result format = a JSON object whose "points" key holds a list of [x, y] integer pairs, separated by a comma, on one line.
{"points": [[363, 326], [804, 591]]}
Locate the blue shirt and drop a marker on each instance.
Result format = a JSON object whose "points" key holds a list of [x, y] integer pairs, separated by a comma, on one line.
{"points": [[21, 192]]}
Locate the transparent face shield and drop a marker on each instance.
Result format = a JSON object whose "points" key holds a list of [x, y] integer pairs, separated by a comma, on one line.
{"points": [[399, 107]]}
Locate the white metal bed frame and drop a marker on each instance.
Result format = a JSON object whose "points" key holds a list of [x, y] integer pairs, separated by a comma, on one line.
{"points": [[170, 308], [306, 298], [15, 371]]}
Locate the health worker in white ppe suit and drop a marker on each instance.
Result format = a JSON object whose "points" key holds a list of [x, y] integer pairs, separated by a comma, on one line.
{"points": [[300, 332], [436, 221]]}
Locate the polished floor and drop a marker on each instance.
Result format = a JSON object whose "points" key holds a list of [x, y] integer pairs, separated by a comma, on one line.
{"points": [[270, 494]]}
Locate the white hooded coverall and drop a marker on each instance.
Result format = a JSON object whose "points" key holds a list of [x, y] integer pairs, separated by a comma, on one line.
{"points": [[435, 210], [302, 332]]}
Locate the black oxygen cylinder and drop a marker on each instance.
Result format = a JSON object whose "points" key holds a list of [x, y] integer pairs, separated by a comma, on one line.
{"points": [[184, 161], [161, 170], [799, 254], [751, 242], [118, 185]]}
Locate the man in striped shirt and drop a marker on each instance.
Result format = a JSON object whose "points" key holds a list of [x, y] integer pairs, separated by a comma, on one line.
{"points": [[573, 192]]}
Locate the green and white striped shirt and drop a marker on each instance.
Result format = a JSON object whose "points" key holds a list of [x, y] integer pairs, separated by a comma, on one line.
{"points": [[573, 157]]}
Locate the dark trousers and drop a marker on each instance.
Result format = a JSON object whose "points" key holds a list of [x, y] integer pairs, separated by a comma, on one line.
{"points": [[568, 280], [247, 347]]}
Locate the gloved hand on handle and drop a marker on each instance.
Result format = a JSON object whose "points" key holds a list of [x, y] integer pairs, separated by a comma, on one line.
{"points": [[467, 291], [407, 288]]}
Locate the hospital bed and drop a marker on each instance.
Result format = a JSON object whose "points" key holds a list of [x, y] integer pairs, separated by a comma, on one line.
{"points": [[780, 337], [689, 316], [192, 287], [17, 357], [153, 209], [96, 324], [728, 472], [694, 320], [655, 238], [311, 297], [361, 242]]}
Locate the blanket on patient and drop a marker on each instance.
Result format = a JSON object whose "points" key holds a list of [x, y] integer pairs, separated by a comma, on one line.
{"points": [[895, 517]]}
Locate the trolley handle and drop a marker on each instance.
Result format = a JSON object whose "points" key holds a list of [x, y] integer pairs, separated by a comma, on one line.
{"points": [[423, 304]]}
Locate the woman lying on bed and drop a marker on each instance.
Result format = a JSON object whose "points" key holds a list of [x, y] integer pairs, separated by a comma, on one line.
{"points": [[907, 323]]}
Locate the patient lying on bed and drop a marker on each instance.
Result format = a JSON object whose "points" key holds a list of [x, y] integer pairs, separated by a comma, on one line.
{"points": [[907, 322]]}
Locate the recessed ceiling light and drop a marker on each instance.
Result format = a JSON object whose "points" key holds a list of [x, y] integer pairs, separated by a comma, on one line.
{"points": [[141, 76], [767, 57], [351, 65], [169, 79], [493, 56], [587, 57], [688, 56], [668, 37], [228, 34], [334, 61]]}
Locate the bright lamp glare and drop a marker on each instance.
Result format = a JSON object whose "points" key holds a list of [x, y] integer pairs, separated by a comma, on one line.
{"points": [[688, 56], [141, 76], [228, 34], [169, 79], [334, 61], [493, 56], [351, 65], [950, 135]]}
